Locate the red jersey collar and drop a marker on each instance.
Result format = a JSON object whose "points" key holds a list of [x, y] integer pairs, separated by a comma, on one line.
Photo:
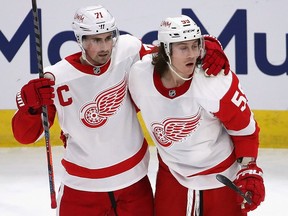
{"points": [[170, 92], [74, 60]]}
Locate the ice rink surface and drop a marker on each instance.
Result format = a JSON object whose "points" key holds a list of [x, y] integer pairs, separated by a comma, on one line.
{"points": [[24, 186]]}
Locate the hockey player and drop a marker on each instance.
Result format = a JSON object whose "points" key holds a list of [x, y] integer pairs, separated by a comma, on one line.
{"points": [[202, 126], [106, 157]]}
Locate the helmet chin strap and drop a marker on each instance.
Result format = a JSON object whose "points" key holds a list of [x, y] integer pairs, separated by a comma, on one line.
{"points": [[172, 69], [84, 57]]}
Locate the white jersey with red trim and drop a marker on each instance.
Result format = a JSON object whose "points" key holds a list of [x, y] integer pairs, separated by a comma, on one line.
{"points": [[186, 123], [105, 148]]}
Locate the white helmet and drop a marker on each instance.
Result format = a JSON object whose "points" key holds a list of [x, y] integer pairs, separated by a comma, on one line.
{"points": [[93, 20], [177, 29]]}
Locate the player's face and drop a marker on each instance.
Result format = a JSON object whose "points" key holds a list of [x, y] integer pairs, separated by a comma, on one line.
{"points": [[184, 56], [98, 47]]}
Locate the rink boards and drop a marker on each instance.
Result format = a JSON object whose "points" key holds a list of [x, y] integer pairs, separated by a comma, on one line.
{"points": [[273, 134]]}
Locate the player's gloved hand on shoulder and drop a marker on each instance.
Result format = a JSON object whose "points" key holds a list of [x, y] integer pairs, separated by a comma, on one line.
{"points": [[215, 59], [250, 181], [35, 94]]}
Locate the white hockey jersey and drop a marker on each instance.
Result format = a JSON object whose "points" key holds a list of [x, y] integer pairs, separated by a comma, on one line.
{"points": [[105, 148], [192, 125]]}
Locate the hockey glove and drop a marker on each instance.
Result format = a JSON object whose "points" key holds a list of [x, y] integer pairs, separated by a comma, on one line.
{"points": [[215, 59], [35, 94], [250, 181]]}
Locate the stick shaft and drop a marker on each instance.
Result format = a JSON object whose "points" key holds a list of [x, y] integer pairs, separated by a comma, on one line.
{"points": [[224, 180], [44, 108]]}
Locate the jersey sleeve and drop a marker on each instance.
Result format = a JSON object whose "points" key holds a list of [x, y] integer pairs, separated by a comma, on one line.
{"points": [[238, 119], [147, 49], [28, 128]]}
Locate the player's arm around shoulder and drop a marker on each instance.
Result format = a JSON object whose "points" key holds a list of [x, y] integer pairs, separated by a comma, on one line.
{"points": [[136, 72], [136, 44], [140, 77]]}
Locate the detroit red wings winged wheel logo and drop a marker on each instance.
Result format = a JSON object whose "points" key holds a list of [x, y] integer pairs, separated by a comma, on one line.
{"points": [[96, 113], [175, 129]]}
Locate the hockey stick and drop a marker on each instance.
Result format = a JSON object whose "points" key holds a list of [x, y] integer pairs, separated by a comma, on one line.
{"points": [[44, 108], [224, 180]]}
